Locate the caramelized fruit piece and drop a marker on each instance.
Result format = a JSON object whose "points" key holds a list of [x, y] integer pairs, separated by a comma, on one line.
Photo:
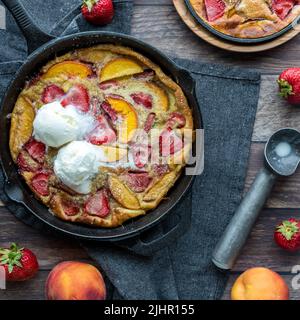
{"points": [[122, 194], [69, 68], [78, 97], [143, 99], [137, 181], [109, 111], [169, 142], [149, 122], [52, 93], [283, 7], [130, 121], [103, 133], [36, 150], [26, 163], [98, 204], [21, 126], [140, 153], [214, 9], [40, 184], [160, 169], [70, 208], [176, 120], [119, 67]]}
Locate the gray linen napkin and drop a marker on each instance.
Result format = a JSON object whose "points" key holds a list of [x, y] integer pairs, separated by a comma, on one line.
{"points": [[228, 99]]}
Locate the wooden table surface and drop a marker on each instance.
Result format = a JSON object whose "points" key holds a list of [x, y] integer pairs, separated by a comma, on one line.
{"points": [[156, 22]]}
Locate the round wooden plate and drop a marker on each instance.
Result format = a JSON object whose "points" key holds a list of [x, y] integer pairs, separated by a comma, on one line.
{"points": [[223, 44]]}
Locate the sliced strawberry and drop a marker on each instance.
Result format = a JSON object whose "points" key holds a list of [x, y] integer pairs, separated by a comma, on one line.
{"points": [[214, 9], [169, 142], [149, 122], [145, 75], [70, 209], [103, 133], [98, 204], [36, 150], [40, 183], [26, 163], [176, 120], [283, 7], [160, 169], [141, 154], [78, 97], [137, 182], [143, 99], [108, 84], [106, 107], [114, 96], [52, 93]]}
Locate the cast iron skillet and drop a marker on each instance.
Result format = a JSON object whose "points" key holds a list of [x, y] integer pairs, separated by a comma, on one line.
{"points": [[16, 188], [235, 39]]}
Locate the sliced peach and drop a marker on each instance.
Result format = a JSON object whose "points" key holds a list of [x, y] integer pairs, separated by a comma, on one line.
{"points": [[130, 121], [122, 194], [70, 68], [113, 154], [160, 94], [119, 67], [21, 125]]}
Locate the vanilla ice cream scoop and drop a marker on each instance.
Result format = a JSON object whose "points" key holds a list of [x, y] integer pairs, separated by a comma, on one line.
{"points": [[76, 164], [55, 125]]}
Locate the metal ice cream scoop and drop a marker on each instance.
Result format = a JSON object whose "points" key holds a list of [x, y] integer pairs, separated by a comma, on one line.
{"points": [[282, 156]]}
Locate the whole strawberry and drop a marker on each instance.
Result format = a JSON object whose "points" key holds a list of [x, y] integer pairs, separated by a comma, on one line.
{"points": [[99, 12], [289, 85], [287, 234], [20, 263]]}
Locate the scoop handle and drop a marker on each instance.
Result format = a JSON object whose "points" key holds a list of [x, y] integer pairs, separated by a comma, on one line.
{"points": [[236, 233]]}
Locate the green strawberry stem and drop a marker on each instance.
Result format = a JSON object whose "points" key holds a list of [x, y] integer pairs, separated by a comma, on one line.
{"points": [[285, 89], [11, 257], [288, 229], [89, 4]]}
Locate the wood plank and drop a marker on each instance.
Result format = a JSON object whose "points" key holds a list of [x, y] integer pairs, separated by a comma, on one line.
{"points": [[50, 249], [285, 193], [294, 293], [33, 289], [273, 112], [261, 250], [162, 27]]}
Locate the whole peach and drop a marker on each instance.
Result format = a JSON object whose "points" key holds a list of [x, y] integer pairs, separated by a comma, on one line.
{"points": [[73, 280], [259, 284]]}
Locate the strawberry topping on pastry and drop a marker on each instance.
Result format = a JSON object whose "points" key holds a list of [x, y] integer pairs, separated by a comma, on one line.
{"points": [[137, 181], [145, 75], [103, 133], [26, 163], [149, 122], [78, 97], [106, 107], [70, 209], [108, 85], [98, 204], [169, 142], [40, 183], [214, 9], [143, 99], [160, 169], [176, 120], [283, 7], [36, 150], [52, 93], [141, 154]]}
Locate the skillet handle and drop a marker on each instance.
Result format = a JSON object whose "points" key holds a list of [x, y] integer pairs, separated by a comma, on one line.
{"points": [[157, 238], [13, 192], [35, 37]]}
